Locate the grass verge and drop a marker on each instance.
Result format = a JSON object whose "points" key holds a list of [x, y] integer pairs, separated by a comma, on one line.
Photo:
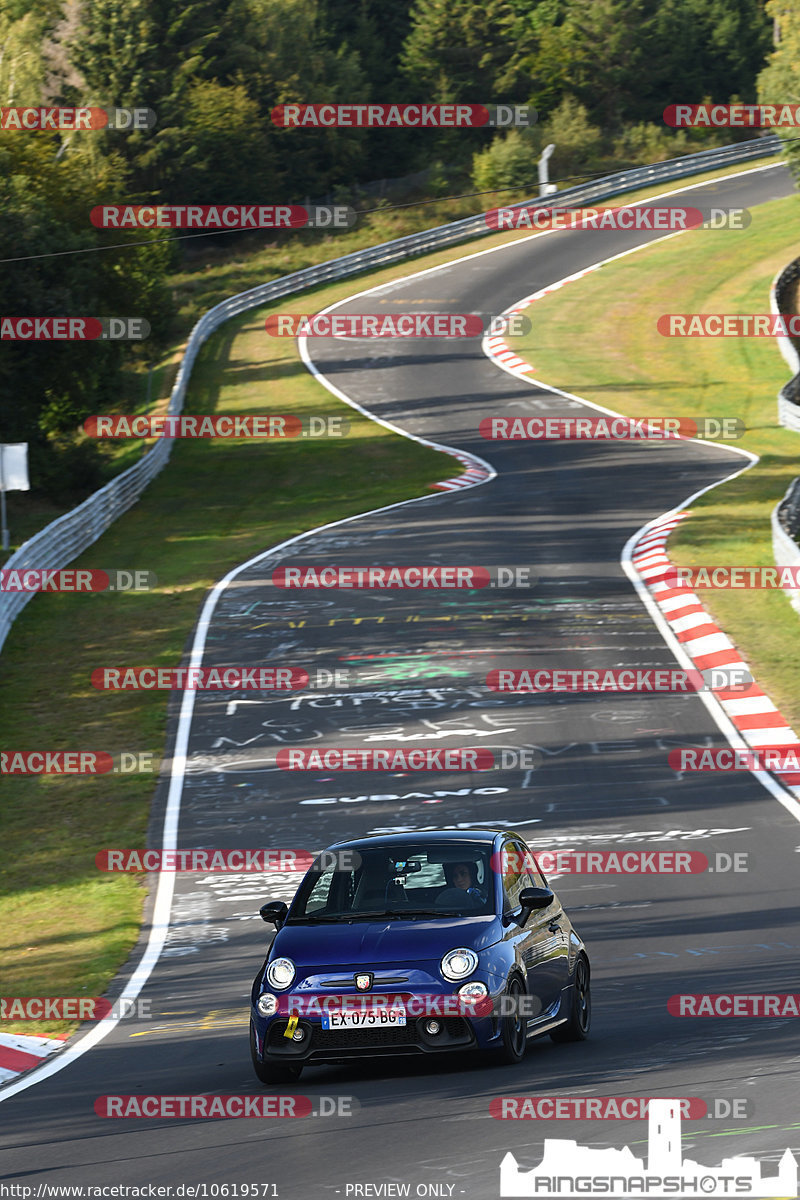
{"points": [[624, 364], [68, 929]]}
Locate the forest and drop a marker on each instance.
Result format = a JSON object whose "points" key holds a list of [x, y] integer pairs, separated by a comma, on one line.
{"points": [[598, 72]]}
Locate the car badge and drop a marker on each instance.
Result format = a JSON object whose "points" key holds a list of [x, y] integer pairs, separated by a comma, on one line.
{"points": [[364, 982]]}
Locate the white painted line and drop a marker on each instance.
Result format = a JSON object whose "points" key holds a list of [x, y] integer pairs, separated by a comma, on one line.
{"points": [[674, 603], [786, 795], [710, 643], [749, 705], [165, 887]]}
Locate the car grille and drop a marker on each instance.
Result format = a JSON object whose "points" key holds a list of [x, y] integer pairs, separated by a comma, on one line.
{"points": [[344, 1039], [456, 1028]]}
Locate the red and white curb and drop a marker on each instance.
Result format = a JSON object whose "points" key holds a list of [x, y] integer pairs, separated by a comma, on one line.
{"points": [[751, 711], [19, 1052], [497, 348], [476, 472]]}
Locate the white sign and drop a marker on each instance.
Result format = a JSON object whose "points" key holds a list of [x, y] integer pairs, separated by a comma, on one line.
{"points": [[14, 467]]}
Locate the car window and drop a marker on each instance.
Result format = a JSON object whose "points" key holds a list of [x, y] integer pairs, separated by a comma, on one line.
{"points": [[537, 879], [515, 876], [519, 872], [320, 892], [433, 878]]}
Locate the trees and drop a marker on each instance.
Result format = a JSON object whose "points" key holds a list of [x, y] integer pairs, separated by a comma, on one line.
{"points": [[779, 82]]}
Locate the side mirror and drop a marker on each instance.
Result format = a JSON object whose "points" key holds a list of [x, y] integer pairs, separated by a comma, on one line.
{"points": [[532, 898], [274, 913]]}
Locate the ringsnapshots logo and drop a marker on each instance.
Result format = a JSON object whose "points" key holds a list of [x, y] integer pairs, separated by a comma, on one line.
{"points": [[73, 120], [223, 216], [272, 426], [609, 428], [570, 1170], [541, 217], [73, 329], [403, 116]]}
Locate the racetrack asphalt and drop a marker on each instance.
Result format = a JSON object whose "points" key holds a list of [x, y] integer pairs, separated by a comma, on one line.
{"points": [[417, 662]]}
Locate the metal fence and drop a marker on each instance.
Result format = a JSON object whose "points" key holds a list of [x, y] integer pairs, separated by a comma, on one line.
{"points": [[65, 538], [785, 520], [789, 395]]}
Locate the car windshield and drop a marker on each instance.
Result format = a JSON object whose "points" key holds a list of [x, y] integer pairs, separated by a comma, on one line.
{"points": [[397, 882]]}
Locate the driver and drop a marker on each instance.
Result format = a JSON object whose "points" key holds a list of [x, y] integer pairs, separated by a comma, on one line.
{"points": [[464, 875]]}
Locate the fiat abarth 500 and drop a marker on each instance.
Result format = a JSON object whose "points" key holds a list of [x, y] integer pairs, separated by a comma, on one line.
{"points": [[417, 943]]}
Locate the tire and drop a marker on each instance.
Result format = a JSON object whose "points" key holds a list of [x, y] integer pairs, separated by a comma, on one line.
{"points": [[270, 1073], [580, 1008], [513, 1031]]}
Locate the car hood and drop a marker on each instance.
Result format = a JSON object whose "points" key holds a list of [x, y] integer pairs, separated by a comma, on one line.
{"points": [[387, 941]]}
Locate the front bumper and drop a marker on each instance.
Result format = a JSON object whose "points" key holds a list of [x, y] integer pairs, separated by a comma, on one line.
{"points": [[455, 1032], [324, 1045]]}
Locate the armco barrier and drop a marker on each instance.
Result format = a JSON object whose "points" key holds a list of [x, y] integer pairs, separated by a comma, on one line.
{"points": [[789, 395], [785, 521], [785, 516], [65, 538]]}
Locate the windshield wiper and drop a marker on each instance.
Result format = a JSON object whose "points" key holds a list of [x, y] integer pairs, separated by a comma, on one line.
{"points": [[426, 912], [348, 916], [311, 918]]}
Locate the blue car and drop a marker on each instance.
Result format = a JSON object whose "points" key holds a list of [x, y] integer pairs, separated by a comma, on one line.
{"points": [[417, 943]]}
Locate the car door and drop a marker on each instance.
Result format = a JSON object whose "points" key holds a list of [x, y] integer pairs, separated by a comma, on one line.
{"points": [[540, 944]]}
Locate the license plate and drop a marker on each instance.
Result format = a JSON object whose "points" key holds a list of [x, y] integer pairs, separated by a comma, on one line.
{"points": [[375, 1018]]}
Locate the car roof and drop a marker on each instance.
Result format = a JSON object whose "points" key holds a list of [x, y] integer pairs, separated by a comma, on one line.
{"points": [[483, 836]]}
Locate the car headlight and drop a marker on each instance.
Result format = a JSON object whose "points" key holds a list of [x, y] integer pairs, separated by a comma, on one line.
{"points": [[474, 990], [280, 973], [458, 964], [267, 1004]]}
